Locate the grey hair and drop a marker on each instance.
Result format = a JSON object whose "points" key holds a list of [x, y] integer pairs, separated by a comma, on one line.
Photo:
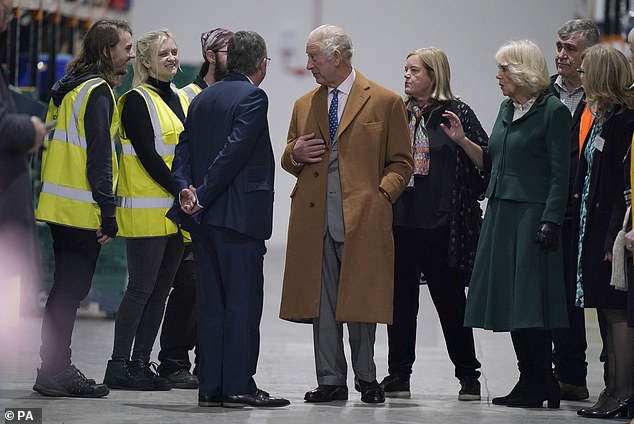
{"points": [[331, 38], [526, 64], [245, 52], [586, 27]]}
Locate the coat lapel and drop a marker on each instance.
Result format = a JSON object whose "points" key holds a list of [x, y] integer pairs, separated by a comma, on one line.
{"points": [[319, 108], [359, 95]]}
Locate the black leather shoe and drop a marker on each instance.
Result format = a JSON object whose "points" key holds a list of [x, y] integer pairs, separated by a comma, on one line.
{"points": [[611, 407], [204, 400], [260, 399], [327, 393], [183, 379], [371, 392]]}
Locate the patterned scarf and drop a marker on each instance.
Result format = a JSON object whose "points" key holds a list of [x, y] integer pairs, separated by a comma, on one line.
{"points": [[418, 134], [420, 141]]}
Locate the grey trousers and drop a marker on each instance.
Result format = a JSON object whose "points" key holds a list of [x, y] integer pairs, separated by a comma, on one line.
{"points": [[330, 361]]}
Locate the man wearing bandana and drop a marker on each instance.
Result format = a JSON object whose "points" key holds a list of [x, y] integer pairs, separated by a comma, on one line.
{"points": [[214, 46]]}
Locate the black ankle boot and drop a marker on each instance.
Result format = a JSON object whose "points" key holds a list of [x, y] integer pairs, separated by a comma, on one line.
{"points": [[541, 387], [517, 391], [118, 376], [131, 375]]}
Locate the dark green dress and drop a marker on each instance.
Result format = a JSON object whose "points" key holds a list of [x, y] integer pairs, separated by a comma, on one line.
{"points": [[515, 282]]}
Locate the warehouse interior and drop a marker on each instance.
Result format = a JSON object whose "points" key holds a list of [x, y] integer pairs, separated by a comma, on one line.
{"points": [[42, 37]]}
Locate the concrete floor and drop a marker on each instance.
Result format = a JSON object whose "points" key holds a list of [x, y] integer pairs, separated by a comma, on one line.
{"points": [[286, 368]]}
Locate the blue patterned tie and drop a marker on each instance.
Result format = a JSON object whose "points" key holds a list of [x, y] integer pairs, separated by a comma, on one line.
{"points": [[333, 120]]}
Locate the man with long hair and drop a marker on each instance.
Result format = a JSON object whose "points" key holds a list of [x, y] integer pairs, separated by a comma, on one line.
{"points": [[79, 169]]}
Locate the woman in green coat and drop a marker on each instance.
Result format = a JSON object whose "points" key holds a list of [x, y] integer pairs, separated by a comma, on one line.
{"points": [[517, 280]]}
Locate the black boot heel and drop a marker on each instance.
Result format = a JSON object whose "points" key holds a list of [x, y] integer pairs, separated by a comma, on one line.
{"points": [[553, 403]]}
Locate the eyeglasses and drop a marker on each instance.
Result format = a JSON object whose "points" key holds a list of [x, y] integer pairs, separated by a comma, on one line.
{"points": [[221, 51], [581, 72]]}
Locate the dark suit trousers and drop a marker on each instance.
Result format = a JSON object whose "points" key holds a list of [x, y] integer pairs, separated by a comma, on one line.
{"points": [[569, 344], [178, 333], [425, 251], [229, 299], [76, 252]]}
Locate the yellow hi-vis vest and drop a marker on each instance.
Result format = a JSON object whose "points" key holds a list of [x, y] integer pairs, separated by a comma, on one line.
{"points": [[66, 196], [191, 91], [142, 202]]}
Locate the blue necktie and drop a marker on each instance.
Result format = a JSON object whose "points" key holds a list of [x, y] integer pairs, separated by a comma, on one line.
{"points": [[333, 120]]}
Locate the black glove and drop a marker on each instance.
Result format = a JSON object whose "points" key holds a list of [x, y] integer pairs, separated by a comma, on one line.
{"points": [[109, 226], [547, 234]]}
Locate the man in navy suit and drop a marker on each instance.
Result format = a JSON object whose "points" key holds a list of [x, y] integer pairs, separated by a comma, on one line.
{"points": [[223, 169]]}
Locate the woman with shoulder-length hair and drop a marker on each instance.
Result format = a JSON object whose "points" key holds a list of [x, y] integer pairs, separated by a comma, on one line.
{"points": [[601, 205], [152, 116], [436, 225], [516, 284]]}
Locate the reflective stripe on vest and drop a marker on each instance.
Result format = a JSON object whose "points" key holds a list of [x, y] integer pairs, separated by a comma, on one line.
{"points": [[191, 91], [73, 138], [145, 202], [66, 195], [68, 192]]}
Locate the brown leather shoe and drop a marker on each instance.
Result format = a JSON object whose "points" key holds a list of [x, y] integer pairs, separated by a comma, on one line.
{"points": [[573, 392]]}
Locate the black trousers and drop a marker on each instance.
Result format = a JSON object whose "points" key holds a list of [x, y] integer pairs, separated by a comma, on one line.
{"points": [[152, 265], [178, 333], [569, 344], [425, 251], [76, 252]]}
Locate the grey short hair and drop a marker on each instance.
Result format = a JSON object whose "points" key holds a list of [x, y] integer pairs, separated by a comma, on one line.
{"points": [[245, 52], [331, 38], [586, 27]]}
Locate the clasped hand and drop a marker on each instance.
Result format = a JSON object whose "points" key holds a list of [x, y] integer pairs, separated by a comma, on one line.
{"points": [[189, 200]]}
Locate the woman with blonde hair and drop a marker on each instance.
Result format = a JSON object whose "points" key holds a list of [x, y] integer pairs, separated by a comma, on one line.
{"points": [[152, 116], [516, 284], [436, 224], [600, 204]]}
